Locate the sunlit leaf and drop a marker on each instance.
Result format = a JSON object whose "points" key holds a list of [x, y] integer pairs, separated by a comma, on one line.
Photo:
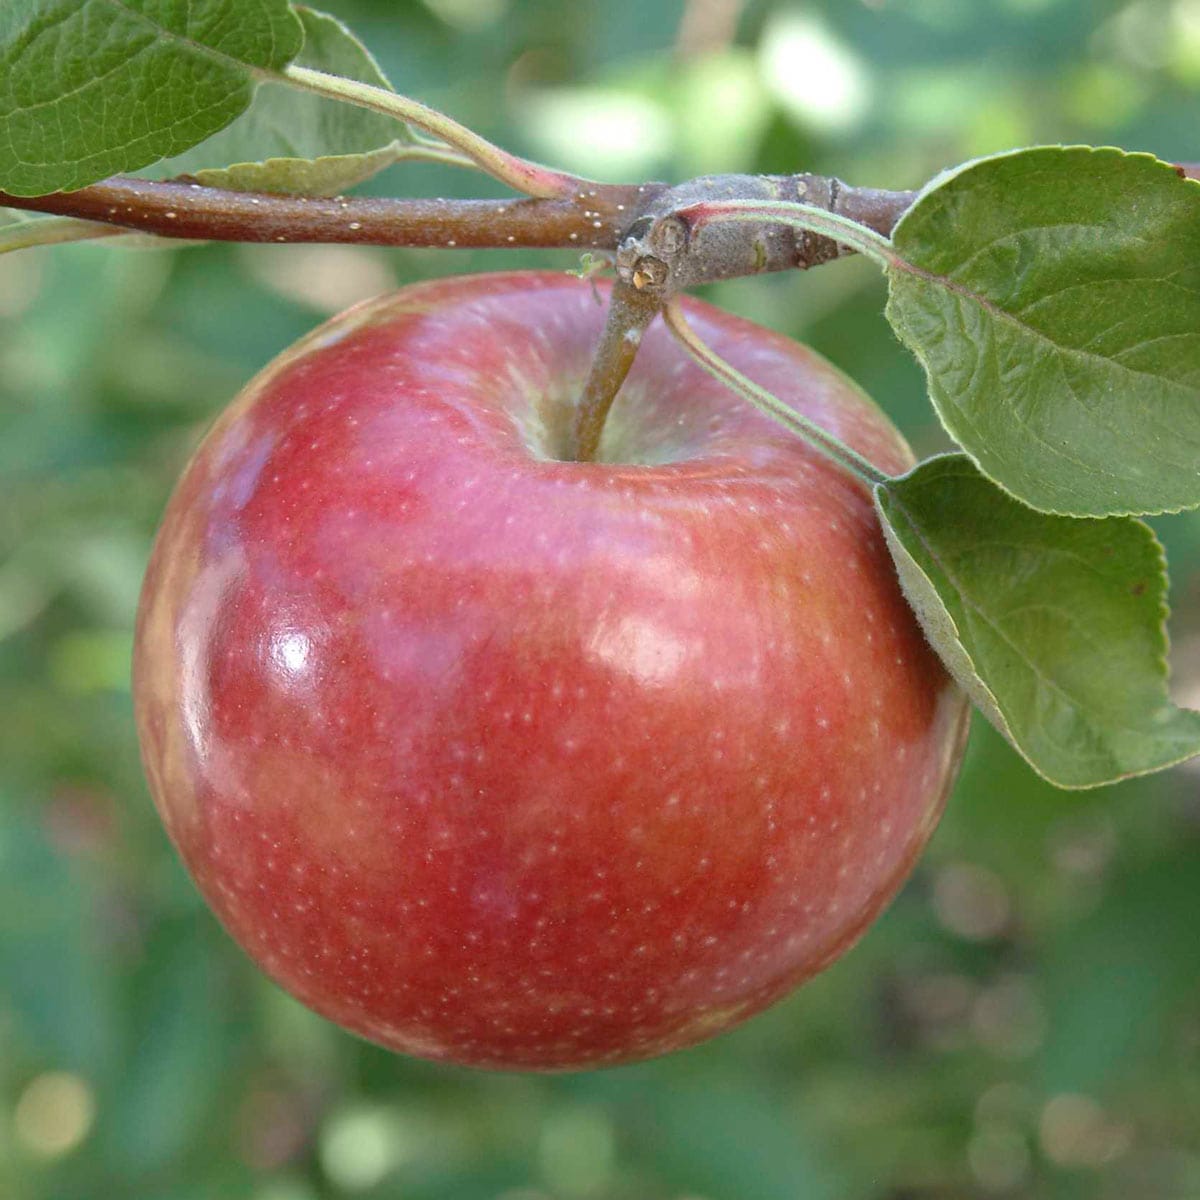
{"points": [[1053, 298], [90, 88]]}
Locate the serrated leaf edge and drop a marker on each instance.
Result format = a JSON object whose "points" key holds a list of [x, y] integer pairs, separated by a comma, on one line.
{"points": [[986, 701], [905, 267]]}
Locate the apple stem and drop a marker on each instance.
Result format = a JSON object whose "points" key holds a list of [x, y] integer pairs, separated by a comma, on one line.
{"points": [[630, 312], [820, 439]]}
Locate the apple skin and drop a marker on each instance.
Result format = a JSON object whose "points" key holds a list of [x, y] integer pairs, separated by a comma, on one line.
{"points": [[525, 763]]}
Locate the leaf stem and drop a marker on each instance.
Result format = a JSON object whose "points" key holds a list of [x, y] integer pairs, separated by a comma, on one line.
{"points": [[427, 149], [820, 439], [519, 173], [801, 216], [50, 231]]}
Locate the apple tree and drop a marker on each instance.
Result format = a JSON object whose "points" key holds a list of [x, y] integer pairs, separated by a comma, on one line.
{"points": [[1050, 295]]}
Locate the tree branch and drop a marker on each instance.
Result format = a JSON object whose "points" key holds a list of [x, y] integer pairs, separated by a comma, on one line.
{"points": [[596, 218], [591, 219]]}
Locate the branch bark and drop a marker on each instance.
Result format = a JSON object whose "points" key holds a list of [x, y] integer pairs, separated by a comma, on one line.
{"points": [[595, 218], [589, 220]]}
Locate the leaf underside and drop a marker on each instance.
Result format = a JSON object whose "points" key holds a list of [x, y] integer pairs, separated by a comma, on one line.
{"points": [[1054, 626], [293, 142]]}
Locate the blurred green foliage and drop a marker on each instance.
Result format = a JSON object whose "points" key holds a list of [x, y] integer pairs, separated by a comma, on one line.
{"points": [[1025, 1020]]}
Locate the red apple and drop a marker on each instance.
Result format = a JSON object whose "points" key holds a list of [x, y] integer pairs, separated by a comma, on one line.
{"points": [[519, 762]]}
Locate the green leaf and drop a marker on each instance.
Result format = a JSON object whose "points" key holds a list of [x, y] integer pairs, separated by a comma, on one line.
{"points": [[1053, 298], [294, 142], [91, 88], [1055, 626]]}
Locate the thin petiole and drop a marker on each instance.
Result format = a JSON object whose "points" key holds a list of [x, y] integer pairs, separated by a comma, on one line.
{"points": [[801, 216], [519, 173], [820, 439], [50, 231], [430, 149]]}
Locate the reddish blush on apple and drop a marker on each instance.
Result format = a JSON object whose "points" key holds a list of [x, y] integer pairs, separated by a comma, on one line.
{"points": [[526, 763]]}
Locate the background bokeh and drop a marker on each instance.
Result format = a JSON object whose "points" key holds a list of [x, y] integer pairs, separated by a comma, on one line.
{"points": [[1024, 1021]]}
